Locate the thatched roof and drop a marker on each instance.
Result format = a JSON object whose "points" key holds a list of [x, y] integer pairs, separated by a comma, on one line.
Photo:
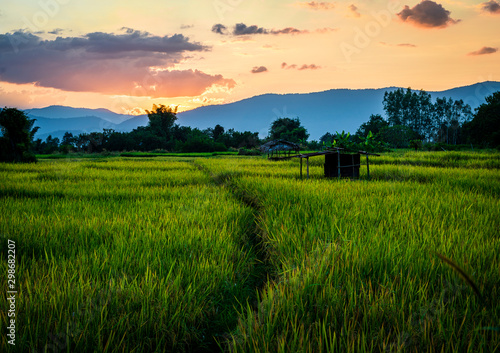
{"points": [[279, 145]]}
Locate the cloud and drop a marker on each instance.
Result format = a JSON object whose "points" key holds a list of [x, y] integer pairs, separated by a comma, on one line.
{"points": [[284, 65], [219, 28], [186, 26], [56, 31], [492, 7], [309, 67], [407, 45], [354, 10], [427, 14], [134, 63], [258, 69], [483, 51], [242, 29], [326, 30], [288, 30], [313, 5]]}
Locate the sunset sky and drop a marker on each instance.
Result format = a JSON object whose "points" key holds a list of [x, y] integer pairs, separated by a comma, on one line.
{"points": [[125, 55]]}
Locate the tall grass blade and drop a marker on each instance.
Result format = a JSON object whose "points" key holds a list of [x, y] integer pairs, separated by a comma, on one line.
{"points": [[462, 273]]}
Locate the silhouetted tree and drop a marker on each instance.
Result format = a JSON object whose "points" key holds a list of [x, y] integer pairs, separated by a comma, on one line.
{"points": [[374, 124], [217, 132], [161, 124], [17, 136], [397, 136], [484, 129], [327, 138], [50, 145], [288, 129]]}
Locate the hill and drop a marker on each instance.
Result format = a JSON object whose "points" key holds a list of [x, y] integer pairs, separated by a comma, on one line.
{"points": [[320, 112]]}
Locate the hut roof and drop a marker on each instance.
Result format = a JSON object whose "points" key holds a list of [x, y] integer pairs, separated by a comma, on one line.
{"points": [[279, 145]]}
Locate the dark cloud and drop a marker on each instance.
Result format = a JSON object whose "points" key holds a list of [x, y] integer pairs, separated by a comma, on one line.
{"points": [[491, 6], [186, 26], [427, 14], [354, 10], [288, 30], [131, 41], [314, 5], [309, 67], [258, 69], [483, 51], [56, 31], [219, 29], [242, 29], [303, 67], [134, 63]]}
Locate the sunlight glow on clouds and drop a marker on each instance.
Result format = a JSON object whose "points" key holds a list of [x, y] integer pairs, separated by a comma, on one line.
{"points": [[107, 63], [314, 5], [127, 55]]}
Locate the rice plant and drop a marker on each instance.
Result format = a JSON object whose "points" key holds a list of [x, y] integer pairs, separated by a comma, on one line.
{"points": [[240, 254]]}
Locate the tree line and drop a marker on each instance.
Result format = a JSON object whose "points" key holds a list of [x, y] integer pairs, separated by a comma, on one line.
{"points": [[411, 119]]}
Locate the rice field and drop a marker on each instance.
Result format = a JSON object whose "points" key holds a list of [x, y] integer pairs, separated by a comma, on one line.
{"points": [[239, 254]]}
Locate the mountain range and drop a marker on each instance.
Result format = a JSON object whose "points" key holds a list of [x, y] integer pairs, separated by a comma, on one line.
{"points": [[319, 112]]}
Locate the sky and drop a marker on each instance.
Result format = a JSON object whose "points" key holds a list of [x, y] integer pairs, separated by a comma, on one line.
{"points": [[126, 55]]}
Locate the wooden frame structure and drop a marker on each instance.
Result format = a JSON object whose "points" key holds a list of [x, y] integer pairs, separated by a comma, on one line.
{"points": [[337, 164], [280, 149]]}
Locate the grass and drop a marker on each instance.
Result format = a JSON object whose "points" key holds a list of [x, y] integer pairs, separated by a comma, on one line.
{"points": [[239, 254], [145, 256]]}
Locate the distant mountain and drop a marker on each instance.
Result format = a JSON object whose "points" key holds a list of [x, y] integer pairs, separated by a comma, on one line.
{"points": [[58, 126], [320, 112], [62, 112]]}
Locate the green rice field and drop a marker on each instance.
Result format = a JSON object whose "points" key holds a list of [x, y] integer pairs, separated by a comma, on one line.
{"points": [[239, 254]]}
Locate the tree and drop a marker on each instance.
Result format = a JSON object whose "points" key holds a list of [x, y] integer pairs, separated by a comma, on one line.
{"points": [[484, 129], [326, 139], [397, 136], [288, 129], [217, 132], [161, 123], [50, 145], [374, 124], [409, 109], [17, 136], [448, 116]]}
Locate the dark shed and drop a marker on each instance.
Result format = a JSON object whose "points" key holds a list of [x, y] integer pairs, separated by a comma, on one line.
{"points": [[349, 165], [339, 165]]}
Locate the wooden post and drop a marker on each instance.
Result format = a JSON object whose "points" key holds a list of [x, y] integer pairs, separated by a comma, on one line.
{"points": [[352, 160], [307, 161], [367, 167], [300, 167], [338, 163]]}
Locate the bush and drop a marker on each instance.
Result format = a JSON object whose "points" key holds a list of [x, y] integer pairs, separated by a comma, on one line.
{"points": [[416, 144], [249, 152], [200, 145], [446, 147]]}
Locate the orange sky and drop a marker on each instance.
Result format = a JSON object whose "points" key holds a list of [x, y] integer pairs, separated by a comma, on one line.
{"points": [[127, 55]]}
